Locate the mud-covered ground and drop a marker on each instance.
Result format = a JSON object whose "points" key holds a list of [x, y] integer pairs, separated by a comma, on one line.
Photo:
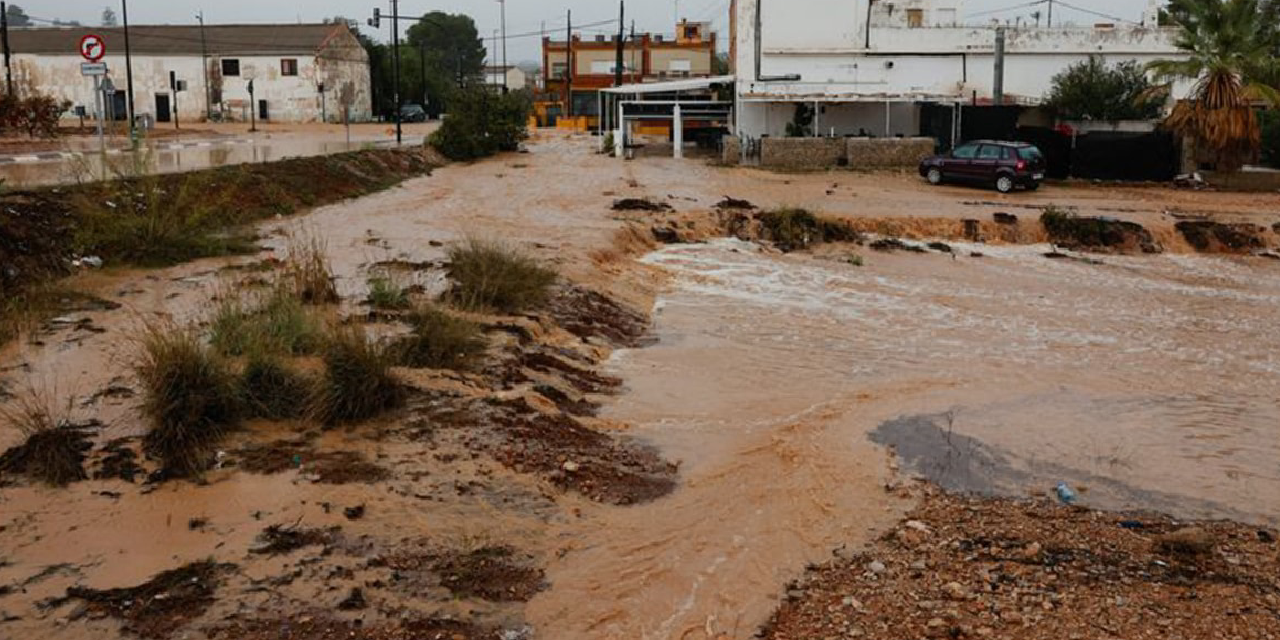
{"points": [[658, 451]]}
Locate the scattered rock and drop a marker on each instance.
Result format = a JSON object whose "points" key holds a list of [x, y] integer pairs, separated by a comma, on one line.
{"points": [[1005, 218], [894, 244], [730, 204], [876, 567], [354, 601], [641, 204], [354, 513], [1188, 540]]}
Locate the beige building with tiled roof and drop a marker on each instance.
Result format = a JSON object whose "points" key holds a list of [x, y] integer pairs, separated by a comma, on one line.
{"points": [[300, 72]]}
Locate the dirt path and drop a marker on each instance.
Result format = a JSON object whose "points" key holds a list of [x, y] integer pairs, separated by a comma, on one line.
{"points": [[767, 377]]}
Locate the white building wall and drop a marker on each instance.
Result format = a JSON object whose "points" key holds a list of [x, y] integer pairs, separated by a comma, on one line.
{"points": [[839, 59], [289, 98]]}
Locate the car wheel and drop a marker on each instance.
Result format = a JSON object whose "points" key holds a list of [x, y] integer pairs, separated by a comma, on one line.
{"points": [[934, 176], [1004, 184]]}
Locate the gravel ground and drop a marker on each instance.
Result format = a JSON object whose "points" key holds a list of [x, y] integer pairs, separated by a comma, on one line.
{"points": [[967, 567]]}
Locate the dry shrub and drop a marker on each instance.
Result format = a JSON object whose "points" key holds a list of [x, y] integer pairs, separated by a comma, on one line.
{"points": [[493, 276], [191, 396], [797, 229], [54, 450], [440, 340], [307, 272], [358, 383]]}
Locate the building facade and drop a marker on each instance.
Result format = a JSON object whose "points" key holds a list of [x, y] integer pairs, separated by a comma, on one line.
{"points": [[513, 78], [300, 72], [890, 67], [646, 58]]}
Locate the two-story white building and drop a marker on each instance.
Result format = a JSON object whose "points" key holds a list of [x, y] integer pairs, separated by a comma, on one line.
{"points": [[300, 72], [877, 67]]}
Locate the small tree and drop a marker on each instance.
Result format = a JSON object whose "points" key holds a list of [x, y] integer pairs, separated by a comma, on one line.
{"points": [[109, 17], [482, 122], [1091, 90], [17, 16]]}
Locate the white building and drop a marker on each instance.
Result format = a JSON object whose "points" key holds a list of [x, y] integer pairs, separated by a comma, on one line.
{"points": [[300, 72], [512, 78], [880, 67]]}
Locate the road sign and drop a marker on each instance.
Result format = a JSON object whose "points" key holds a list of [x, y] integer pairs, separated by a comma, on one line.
{"points": [[93, 47], [93, 68]]}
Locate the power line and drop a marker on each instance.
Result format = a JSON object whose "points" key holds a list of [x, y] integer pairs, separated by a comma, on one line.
{"points": [[1092, 12]]}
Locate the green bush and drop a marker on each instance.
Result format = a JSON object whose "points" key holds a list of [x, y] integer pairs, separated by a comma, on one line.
{"points": [[1270, 120], [482, 122], [358, 383], [191, 396], [1092, 90], [440, 340], [385, 293], [493, 276], [54, 450]]}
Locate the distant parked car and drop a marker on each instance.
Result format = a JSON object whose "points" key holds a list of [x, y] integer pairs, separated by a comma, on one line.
{"points": [[1004, 165], [413, 113]]}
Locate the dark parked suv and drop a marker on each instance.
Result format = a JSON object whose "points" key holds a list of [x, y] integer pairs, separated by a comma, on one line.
{"points": [[1004, 165]]}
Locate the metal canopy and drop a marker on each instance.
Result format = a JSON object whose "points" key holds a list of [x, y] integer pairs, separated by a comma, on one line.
{"points": [[670, 86]]}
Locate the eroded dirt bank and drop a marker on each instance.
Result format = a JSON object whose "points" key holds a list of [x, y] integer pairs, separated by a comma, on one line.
{"points": [[730, 443]]}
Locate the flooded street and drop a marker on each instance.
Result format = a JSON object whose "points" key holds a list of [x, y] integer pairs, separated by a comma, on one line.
{"points": [[776, 382]]}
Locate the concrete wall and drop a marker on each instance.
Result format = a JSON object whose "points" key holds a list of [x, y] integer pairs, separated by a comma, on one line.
{"points": [[289, 98], [1261, 181], [801, 153], [887, 152], [732, 153]]}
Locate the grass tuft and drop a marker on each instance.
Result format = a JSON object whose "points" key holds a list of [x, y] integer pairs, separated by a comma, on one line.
{"points": [[440, 340], [358, 383], [307, 272], [54, 450], [493, 276], [386, 294], [797, 229], [274, 391], [191, 396], [279, 324]]}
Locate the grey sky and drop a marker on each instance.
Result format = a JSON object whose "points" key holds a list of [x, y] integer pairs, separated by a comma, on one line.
{"points": [[523, 16]]}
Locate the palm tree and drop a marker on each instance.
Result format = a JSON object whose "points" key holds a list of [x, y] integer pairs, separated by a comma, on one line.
{"points": [[1231, 47]]}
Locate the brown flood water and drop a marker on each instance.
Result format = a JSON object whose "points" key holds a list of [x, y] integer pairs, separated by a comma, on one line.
{"points": [[1151, 381]]}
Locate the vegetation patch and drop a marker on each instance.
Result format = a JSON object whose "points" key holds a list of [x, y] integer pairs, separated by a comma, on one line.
{"points": [[162, 605], [798, 229], [331, 467], [307, 274], [358, 383], [493, 276], [482, 123], [440, 340], [489, 573], [1070, 231], [386, 294], [192, 397], [278, 539], [279, 324], [274, 391]]}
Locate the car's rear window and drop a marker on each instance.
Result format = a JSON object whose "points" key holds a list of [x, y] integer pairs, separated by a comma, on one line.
{"points": [[1029, 153]]}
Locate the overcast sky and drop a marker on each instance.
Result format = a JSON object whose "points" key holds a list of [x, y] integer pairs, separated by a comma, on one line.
{"points": [[524, 17]]}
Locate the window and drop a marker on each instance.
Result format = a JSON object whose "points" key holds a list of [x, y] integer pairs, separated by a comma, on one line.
{"points": [[1030, 154], [681, 65], [289, 66], [965, 151], [915, 18], [231, 67], [559, 69], [991, 152]]}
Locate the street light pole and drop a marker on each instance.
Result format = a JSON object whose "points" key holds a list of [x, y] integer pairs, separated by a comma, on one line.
{"points": [[128, 71], [204, 60], [395, 43]]}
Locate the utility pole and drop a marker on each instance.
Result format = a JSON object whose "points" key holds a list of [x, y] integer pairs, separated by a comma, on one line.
{"points": [[395, 40], [622, 26], [253, 110], [568, 68], [4, 36], [204, 60], [997, 87], [128, 73], [1050, 14], [422, 62], [503, 4]]}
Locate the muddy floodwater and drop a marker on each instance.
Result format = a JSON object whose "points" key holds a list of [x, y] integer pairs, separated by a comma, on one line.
{"points": [[779, 384]]}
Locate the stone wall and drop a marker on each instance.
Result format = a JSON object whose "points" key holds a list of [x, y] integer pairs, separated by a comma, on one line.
{"points": [[732, 153], [876, 153], [1261, 181], [801, 153]]}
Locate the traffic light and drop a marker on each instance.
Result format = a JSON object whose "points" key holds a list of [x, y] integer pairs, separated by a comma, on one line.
{"points": [[376, 20]]}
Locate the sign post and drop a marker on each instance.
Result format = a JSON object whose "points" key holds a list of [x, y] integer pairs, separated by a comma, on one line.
{"points": [[92, 49]]}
